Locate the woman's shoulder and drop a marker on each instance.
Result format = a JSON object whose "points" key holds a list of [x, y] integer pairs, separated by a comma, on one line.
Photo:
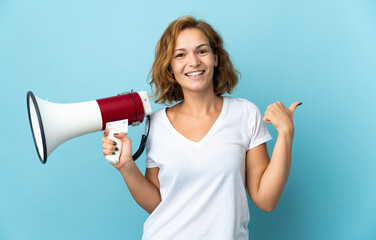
{"points": [[157, 116], [158, 113]]}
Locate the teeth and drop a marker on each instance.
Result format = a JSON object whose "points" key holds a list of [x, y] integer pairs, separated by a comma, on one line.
{"points": [[192, 74]]}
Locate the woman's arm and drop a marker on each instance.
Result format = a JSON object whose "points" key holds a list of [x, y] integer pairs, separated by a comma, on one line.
{"points": [[144, 190], [266, 178]]}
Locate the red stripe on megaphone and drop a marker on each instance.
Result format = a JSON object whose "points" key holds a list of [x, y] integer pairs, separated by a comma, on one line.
{"points": [[128, 106]]}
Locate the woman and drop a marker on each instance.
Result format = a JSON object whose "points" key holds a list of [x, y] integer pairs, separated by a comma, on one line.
{"points": [[206, 151]]}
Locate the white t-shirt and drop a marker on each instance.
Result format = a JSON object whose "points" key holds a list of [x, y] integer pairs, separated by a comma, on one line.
{"points": [[202, 184]]}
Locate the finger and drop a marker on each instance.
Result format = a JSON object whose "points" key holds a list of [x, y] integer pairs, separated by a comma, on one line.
{"points": [[265, 119], [107, 140], [122, 136], [294, 106], [108, 152], [274, 105], [109, 146], [119, 135]]}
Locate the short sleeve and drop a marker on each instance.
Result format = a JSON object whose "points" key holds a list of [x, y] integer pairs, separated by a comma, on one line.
{"points": [[256, 127], [150, 163]]}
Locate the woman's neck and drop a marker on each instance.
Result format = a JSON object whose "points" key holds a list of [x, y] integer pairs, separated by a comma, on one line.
{"points": [[200, 104]]}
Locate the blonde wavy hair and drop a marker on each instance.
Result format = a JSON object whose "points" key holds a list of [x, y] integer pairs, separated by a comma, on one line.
{"points": [[167, 90]]}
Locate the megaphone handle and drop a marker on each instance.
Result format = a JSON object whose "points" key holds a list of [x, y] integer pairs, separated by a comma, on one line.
{"points": [[114, 158]]}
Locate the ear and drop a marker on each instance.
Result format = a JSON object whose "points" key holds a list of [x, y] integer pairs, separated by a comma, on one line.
{"points": [[215, 60]]}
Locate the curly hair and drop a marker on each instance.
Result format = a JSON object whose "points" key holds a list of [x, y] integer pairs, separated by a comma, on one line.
{"points": [[167, 90]]}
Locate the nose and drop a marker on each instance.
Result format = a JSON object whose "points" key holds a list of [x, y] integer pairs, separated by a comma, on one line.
{"points": [[193, 60]]}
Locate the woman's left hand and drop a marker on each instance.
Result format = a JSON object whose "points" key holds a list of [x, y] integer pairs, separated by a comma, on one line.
{"points": [[280, 116]]}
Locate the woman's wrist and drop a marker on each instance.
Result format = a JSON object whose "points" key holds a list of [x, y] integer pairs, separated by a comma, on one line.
{"points": [[127, 167], [288, 131]]}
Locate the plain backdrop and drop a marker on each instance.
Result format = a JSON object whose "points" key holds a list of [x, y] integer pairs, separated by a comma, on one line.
{"points": [[320, 52]]}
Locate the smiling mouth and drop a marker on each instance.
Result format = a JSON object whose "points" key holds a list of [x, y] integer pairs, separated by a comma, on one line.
{"points": [[194, 74]]}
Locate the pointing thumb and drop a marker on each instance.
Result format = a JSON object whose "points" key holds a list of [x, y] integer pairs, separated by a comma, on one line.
{"points": [[294, 106]]}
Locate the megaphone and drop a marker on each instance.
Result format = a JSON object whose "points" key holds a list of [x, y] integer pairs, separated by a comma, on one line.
{"points": [[54, 123]]}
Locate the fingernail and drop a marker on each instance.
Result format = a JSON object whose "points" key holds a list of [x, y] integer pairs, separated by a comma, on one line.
{"points": [[116, 149], [300, 103], [113, 153], [114, 143]]}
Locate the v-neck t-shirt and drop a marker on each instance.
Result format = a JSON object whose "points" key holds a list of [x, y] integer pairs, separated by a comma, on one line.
{"points": [[202, 184]]}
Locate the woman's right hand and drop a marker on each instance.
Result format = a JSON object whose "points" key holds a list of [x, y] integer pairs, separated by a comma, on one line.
{"points": [[126, 151]]}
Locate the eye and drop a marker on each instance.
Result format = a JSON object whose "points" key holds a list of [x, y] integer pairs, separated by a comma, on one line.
{"points": [[203, 51], [179, 55]]}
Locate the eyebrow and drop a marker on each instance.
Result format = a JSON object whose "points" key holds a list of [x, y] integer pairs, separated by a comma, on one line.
{"points": [[201, 45]]}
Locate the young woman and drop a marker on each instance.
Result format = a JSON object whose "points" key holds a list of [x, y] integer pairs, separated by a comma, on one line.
{"points": [[205, 152]]}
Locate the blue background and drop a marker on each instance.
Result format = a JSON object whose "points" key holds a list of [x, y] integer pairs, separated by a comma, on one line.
{"points": [[320, 52]]}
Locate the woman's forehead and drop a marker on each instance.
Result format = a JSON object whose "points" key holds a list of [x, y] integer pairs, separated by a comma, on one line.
{"points": [[191, 38]]}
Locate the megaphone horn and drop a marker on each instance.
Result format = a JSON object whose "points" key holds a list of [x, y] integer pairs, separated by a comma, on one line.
{"points": [[54, 123]]}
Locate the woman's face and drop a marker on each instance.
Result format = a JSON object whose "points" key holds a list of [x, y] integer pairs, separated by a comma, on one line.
{"points": [[193, 61]]}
